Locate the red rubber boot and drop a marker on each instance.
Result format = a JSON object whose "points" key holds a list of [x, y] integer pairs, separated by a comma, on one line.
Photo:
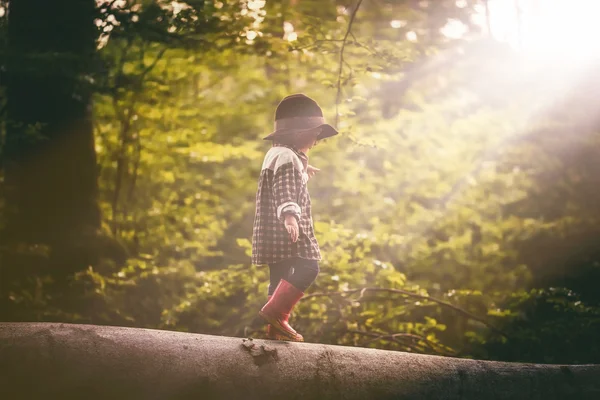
{"points": [[273, 334], [277, 311]]}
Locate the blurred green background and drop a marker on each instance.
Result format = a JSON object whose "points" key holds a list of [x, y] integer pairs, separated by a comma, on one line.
{"points": [[462, 194]]}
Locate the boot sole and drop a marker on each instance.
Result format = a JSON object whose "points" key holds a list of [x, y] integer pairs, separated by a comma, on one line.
{"points": [[275, 324], [282, 338], [274, 334]]}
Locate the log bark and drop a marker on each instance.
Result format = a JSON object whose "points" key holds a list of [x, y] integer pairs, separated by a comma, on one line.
{"points": [[47, 360]]}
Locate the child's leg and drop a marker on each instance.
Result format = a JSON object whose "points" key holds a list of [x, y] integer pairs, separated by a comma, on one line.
{"points": [[288, 281], [277, 272], [304, 273]]}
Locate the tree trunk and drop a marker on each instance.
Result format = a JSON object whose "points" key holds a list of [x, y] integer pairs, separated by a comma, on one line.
{"points": [[50, 162], [52, 224], [41, 361]]}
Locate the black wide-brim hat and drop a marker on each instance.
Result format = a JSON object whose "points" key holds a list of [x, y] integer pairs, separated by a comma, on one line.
{"points": [[300, 113]]}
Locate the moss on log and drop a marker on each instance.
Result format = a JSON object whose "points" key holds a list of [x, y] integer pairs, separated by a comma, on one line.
{"points": [[63, 361]]}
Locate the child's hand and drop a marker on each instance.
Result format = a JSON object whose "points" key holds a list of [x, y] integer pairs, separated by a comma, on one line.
{"points": [[291, 224], [311, 171]]}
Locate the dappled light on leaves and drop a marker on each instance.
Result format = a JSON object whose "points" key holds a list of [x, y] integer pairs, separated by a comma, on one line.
{"points": [[457, 211]]}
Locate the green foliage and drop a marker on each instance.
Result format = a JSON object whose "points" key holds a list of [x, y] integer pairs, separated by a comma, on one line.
{"points": [[548, 325], [454, 202]]}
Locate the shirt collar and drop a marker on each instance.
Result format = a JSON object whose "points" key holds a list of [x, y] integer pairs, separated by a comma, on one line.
{"points": [[303, 157]]}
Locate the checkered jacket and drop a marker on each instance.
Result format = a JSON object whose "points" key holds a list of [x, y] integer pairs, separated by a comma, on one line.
{"points": [[282, 190]]}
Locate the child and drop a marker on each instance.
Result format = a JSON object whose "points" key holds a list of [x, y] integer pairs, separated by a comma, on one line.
{"points": [[283, 235]]}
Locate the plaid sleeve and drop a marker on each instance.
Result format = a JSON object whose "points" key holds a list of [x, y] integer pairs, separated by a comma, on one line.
{"points": [[287, 183]]}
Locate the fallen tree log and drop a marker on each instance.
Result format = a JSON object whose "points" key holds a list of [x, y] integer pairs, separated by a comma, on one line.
{"points": [[64, 361]]}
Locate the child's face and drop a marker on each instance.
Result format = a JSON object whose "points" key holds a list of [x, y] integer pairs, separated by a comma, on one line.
{"points": [[314, 136], [306, 140]]}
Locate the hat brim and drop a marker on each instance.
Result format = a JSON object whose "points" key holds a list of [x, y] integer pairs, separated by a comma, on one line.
{"points": [[326, 132]]}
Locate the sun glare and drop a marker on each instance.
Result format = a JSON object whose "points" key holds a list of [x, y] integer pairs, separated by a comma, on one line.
{"points": [[562, 30]]}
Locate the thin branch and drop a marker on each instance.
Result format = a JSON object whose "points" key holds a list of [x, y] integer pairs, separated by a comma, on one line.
{"points": [[153, 64], [121, 168], [437, 348], [134, 177], [317, 42], [362, 291], [124, 121], [341, 63], [125, 117], [376, 337]]}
